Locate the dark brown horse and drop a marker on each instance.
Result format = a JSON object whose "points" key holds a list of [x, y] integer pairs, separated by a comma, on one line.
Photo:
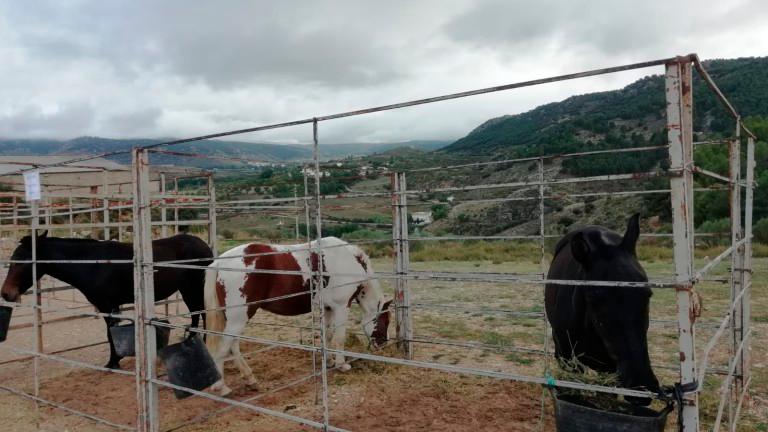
{"points": [[108, 286], [604, 327]]}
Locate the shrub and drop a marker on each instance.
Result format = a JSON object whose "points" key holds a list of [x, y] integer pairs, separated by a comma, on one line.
{"points": [[439, 211], [228, 234], [760, 231]]}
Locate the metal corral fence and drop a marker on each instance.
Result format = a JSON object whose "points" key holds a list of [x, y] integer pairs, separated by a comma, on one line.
{"points": [[147, 196]]}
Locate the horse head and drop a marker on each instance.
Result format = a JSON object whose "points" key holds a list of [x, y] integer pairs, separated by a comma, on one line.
{"points": [[618, 314], [19, 278], [381, 325]]}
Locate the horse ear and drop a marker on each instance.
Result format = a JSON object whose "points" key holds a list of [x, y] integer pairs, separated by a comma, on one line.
{"points": [[43, 235], [632, 234], [386, 305], [580, 248]]}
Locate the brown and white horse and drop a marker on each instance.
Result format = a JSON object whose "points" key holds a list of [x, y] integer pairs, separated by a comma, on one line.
{"points": [[349, 278]]}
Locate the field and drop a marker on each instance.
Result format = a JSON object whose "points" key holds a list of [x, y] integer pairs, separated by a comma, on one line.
{"points": [[374, 396]]}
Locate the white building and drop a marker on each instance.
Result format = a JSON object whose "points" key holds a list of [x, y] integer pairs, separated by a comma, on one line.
{"points": [[422, 218]]}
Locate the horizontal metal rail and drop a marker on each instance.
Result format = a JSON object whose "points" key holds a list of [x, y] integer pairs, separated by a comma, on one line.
{"points": [[717, 260], [65, 360], [255, 408], [416, 275], [720, 96], [261, 395], [421, 364], [543, 157], [66, 409]]}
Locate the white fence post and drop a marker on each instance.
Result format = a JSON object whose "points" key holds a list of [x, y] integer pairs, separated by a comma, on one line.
{"points": [[680, 136], [144, 296]]}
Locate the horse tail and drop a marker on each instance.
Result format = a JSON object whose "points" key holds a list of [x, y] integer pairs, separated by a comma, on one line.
{"points": [[216, 319], [371, 282]]}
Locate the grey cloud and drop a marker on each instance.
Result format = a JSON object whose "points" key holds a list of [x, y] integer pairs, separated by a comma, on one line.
{"points": [[133, 123], [223, 45], [607, 26], [185, 67], [33, 121]]}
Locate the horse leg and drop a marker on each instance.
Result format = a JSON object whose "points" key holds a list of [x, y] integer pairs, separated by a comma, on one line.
{"points": [[236, 320], [114, 359], [339, 332], [195, 303], [222, 350], [245, 371]]}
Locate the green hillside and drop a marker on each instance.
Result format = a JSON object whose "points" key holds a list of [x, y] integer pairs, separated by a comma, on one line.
{"points": [[634, 116], [631, 116]]}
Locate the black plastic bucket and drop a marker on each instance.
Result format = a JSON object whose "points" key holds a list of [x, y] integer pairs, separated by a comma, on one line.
{"points": [[5, 321], [189, 365], [124, 338], [574, 414]]}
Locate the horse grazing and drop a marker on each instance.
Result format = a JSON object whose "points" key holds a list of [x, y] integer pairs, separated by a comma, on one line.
{"points": [[108, 286], [604, 327], [350, 279]]}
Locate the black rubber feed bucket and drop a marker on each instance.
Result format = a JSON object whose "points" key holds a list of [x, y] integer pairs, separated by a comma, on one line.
{"points": [[5, 321], [574, 414], [189, 365], [124, 338]]}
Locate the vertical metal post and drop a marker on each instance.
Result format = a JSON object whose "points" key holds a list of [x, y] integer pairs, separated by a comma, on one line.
{"points": [[319, 286], [315, 319], [120, 204], [48, 211], [176, 207], [212, 216], [164, 231], [144, 296], [105, 202], [737, 334], [680, 137], [15, 211], [298, 213], [163, 212], [37, 317], [71, 215], [403, 322], [746, 306], [543, 268]]}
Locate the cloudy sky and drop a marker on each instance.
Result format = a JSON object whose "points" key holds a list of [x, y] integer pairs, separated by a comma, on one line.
{"points": [[141, 68]]}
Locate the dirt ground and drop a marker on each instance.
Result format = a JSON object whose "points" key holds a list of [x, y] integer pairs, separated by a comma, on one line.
{"points": [[372, 396]]}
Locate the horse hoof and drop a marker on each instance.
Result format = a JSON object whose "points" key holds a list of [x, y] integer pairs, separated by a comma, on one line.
{"points": [[252, 385], [115, 366], [344, 367], [225, 391]]}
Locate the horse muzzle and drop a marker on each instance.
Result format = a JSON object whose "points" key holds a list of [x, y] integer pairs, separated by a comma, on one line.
{"points": [[11, 297]]}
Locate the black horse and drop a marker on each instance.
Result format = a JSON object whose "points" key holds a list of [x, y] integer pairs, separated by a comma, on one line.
{"points": [[107, 286], [604, 327]]}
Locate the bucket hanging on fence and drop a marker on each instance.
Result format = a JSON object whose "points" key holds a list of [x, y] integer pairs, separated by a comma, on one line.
{"points": [[124, 338], [575, 414], [5, 321], [189, 365]]}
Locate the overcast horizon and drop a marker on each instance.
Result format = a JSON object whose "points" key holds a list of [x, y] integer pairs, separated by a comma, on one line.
{"points": [[184, 68]]}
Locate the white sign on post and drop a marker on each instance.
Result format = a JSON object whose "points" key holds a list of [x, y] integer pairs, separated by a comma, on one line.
{"points": [[32, 185]]}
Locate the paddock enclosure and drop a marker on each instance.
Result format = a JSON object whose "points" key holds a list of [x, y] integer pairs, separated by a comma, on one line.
{"points": [[470, 345]]}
